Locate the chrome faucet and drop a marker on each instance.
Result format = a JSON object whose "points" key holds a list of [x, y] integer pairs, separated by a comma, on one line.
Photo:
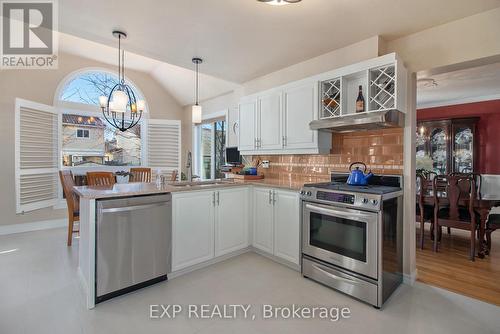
{"points": [[189, 167]]}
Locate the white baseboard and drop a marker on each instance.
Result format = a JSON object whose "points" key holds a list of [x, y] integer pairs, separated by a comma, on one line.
{"points": [[221, 258], [410, 279], [291, 265], [35, 226]]}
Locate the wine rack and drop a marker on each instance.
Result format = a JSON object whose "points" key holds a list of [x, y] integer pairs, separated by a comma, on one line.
{"points": [[382, 93], [330, 98]]}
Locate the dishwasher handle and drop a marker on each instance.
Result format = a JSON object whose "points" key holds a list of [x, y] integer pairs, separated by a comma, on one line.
{"points": [[134, 207]]}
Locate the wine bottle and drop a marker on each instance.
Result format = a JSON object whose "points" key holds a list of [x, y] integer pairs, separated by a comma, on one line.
{"points": [[360, 101]]}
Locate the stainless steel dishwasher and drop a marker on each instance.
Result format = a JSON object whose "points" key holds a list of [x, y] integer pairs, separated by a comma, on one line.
{"points": [[133, 243]]}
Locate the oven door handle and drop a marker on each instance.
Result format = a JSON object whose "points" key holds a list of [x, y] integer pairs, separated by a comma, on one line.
{"points": [[343, 214], [340, 278]]}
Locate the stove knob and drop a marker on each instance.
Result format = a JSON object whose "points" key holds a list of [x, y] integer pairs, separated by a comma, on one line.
{"points": [[309, 193], [374, 201], [302, 192], [364, 200]]}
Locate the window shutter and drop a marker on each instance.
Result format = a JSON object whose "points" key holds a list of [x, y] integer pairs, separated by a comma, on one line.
{"points": [[37, 155], [164, 145]]}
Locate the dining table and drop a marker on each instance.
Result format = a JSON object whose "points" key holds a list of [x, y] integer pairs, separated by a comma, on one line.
{"points": [[482, 205]]}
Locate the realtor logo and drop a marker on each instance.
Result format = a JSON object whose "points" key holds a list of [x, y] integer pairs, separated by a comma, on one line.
{"points": [[28, 35]]}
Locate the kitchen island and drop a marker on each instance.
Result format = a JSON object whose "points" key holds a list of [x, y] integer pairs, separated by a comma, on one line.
{"points": [[211, 221]]}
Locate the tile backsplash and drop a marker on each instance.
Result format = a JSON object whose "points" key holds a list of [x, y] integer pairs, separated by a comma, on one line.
{"points": [[380, 150]]}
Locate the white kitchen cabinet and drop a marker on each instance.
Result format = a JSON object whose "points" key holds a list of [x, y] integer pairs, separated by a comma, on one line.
{"points": [[247, 126], [281, 122], [276, 219], [232, 127], [287, 225], [232, 220], [193, 216], [327, 95], [207, 224], [263, 212], [300, 108], [269, 129]]}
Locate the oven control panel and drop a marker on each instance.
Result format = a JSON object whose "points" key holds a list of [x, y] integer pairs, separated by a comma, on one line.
{"points": [[361, 201], [335, 197]]}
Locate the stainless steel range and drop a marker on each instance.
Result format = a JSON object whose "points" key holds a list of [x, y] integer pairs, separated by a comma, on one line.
{"points": [[352, 236]]}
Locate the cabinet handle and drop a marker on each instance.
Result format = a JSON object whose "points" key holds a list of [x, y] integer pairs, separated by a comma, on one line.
{"points": [[218, 198], [213, 198], [283, 141], [274, 197], [270, 198]]}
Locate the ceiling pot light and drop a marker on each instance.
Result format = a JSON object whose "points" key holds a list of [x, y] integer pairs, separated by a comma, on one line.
{"points": [[279, 2], [196, 108], [427, 82]]}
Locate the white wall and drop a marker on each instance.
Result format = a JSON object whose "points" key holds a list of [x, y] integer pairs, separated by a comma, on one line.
{"points": [[40, 86], [470, 38]]}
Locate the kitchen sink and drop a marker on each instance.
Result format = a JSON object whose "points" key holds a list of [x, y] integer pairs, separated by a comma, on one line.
{"points": [[200, 183]]}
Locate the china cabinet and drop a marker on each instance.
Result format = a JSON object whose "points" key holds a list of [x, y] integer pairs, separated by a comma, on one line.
{"points": [[450, 144]]}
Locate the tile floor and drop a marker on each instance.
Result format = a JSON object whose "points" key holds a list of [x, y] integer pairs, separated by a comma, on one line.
{"points": [[40, 293]]}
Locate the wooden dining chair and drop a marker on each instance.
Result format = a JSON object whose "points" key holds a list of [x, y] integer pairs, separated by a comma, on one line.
{"points": [[492, 224], [458, 210], [140, 174], [100, 178], [72, 201], [424, 212]]}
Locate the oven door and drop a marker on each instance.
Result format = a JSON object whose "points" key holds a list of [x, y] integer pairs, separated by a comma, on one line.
{"points": [[344, 237]]}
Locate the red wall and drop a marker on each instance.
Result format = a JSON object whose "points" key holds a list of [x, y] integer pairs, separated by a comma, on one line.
{"points": [[488, 129]]}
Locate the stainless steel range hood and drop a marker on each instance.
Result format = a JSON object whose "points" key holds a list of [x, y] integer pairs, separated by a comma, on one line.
{"points": [[370, 120]]}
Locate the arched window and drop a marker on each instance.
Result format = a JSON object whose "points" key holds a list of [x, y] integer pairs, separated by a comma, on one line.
{"points": [[87, 139], [85, 87]]}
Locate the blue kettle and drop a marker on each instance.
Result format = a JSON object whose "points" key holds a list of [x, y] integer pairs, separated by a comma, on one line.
{"points": [[358, 177]]}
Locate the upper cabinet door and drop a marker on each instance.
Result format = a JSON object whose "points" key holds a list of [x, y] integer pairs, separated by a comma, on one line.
{"points": [[270, 124], [247, 126], [300, 108], [232, 127]]}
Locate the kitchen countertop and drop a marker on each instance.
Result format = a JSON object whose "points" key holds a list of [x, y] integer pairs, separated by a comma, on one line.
{"points": [[138, 189]]}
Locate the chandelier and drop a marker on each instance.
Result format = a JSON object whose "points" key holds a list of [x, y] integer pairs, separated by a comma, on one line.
{"points": [[121, 109]]}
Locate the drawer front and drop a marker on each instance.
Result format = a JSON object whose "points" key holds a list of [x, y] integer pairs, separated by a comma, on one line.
{"points": [[341, 281]]}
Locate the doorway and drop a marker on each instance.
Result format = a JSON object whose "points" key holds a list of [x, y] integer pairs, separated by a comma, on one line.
{"points": [[458, 122]]}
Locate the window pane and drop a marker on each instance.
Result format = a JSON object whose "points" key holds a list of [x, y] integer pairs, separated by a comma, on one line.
{"points": [[220, 148], [206, 150], [87, 87], [91, 141]]}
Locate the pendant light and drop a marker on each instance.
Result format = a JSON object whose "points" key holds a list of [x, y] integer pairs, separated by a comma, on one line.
{"points": [[196, 108], [121, 109]]}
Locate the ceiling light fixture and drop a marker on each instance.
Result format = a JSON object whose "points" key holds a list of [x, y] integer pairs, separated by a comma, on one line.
{"points": [[121, 99], [279, 2], [196, 108], [427, 82]]}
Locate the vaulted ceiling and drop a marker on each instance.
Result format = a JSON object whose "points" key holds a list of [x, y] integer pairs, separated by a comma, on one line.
{"points": [[244, 39]]}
